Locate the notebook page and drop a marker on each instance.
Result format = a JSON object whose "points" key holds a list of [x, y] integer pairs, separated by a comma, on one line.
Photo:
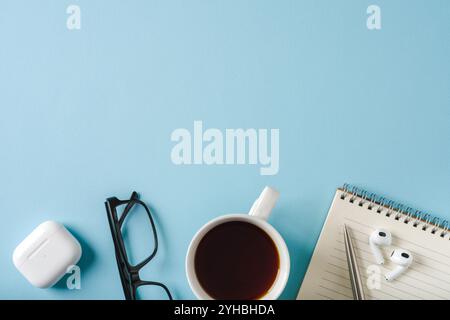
{"points": [[327, 277]]}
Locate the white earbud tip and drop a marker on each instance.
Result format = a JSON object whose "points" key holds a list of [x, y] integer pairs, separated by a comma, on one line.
{"points": [[378, 258]]}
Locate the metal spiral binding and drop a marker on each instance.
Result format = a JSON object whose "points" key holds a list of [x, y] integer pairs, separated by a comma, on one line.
{"points": [[398, 211]]}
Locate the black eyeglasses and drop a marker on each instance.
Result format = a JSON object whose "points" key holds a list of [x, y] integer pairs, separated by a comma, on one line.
{"points": [[119, 211]]}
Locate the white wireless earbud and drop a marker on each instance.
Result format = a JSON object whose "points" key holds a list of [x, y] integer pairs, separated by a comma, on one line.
{"points": [[378, 238], [403, 259]]}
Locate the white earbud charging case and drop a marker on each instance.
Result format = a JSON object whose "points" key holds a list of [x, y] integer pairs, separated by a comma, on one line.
{"points": [[45, 254]]}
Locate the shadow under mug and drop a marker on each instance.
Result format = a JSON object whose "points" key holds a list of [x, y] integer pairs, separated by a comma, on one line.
{"points": [[258, 220]]}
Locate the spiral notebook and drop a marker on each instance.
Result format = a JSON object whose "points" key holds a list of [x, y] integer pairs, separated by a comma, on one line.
{"points": [[426, 237]]}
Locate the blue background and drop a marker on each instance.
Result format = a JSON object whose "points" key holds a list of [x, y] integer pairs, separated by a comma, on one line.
{"points": [[88, 114]]}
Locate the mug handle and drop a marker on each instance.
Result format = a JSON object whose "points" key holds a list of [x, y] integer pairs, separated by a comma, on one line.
{"points": [[266, 201]]}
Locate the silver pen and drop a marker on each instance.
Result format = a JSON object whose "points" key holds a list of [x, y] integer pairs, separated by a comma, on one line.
{"points": [[353, 269]]}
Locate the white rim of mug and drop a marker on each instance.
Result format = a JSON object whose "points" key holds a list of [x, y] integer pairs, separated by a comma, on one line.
{"points": [[284, 268]]}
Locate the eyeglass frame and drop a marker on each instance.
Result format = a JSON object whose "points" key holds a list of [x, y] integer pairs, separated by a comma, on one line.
{"points": [[129, 274]]}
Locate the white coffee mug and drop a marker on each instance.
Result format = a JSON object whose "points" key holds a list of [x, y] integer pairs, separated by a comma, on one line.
{"points": [[258, 215]]}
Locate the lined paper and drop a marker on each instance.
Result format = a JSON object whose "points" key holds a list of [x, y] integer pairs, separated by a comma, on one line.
{"points": [[327, 277]]}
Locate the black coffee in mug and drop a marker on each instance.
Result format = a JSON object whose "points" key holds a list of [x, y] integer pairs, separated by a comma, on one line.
{"points": [[236, 261]]}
